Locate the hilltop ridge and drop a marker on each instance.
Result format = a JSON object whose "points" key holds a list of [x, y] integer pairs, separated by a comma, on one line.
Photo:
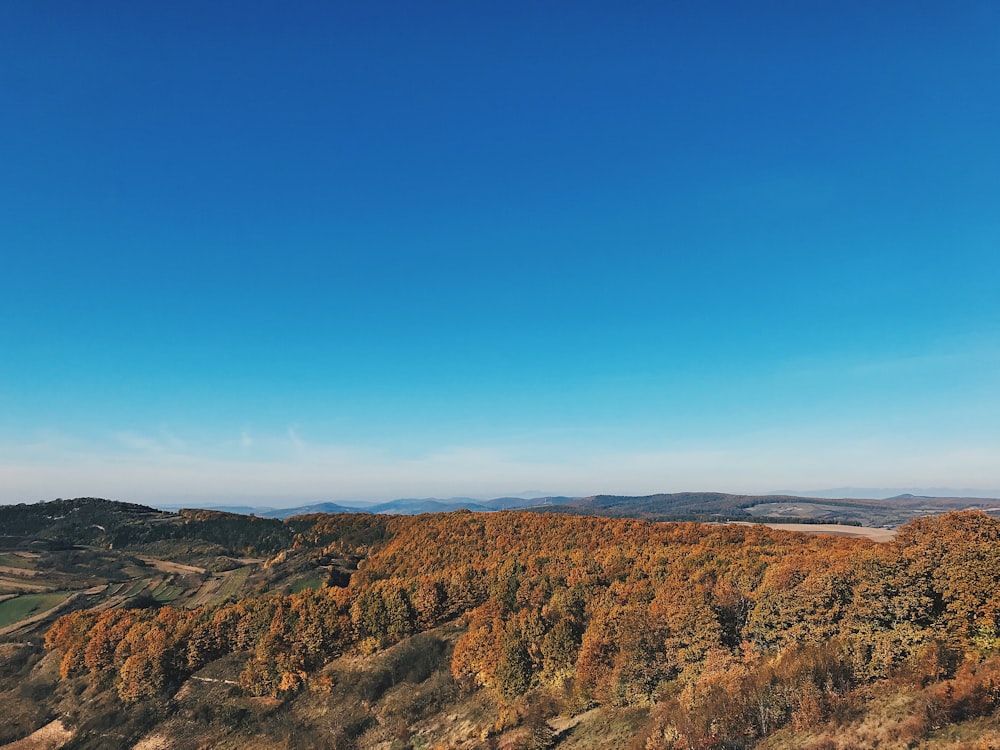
{"points": [[678, 506]]}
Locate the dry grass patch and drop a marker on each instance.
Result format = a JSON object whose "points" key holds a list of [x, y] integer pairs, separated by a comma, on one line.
{"points": [[50, 737]]}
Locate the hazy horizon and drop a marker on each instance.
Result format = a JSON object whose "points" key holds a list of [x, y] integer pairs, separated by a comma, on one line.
{"points": [[341, 251], [284, 502]]}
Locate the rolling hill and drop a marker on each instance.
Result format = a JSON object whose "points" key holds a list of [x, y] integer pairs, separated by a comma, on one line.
{"points": [[718, 506], [506, 629]]}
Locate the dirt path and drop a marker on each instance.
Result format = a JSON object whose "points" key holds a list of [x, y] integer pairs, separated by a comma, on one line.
{"points": [[9, 570], [562, 724], [214, 679], [172, 567], [21, 585]]}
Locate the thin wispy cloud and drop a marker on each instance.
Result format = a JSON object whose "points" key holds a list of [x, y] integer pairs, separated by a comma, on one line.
{"points": [[148, 468]]}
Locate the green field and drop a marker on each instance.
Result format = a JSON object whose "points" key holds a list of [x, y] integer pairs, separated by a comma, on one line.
{"points": [[314, 581], [166, 592], [114, 589], [27, 605], [138, 586], [232, 585], [16, 561]]}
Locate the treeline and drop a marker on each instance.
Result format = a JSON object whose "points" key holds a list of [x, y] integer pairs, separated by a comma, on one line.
{"points": [[94, 521], [232, 533], [81, 520], [729, 631]]}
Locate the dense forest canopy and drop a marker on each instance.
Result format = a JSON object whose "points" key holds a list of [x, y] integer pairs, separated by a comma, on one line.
{"points": [[725, 633]]}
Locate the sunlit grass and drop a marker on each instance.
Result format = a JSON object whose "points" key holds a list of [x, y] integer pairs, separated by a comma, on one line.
{"points": [[28, 605]]}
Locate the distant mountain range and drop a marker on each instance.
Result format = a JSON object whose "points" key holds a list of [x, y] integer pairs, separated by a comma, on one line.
{"points": [[530, 498], [884, 493], [401, 506], [678, 506], [414, 506], [721, 506]]}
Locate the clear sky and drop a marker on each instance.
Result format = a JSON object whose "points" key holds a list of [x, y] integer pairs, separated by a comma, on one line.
{"points": [[288, 251]]}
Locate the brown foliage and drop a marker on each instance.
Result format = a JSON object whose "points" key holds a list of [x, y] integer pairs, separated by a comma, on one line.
{"points": [[731, 631]]}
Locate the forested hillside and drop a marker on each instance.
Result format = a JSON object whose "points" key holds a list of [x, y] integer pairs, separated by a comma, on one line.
{"points": [[521, 630]]}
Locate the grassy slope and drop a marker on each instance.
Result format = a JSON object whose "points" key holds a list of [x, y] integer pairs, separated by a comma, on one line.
{"points": [[28, 605]]}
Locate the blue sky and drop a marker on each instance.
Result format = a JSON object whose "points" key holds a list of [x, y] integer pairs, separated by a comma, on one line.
{"points": [[367, 250]]}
